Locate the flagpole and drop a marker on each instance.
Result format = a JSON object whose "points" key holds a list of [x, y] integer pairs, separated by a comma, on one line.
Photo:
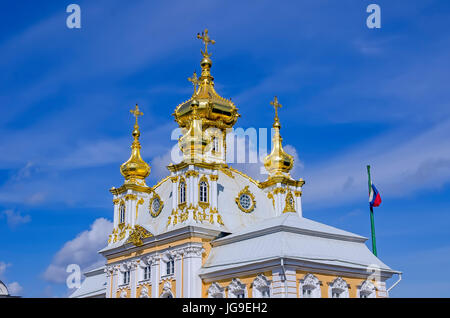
{"points": [[372, 223]]}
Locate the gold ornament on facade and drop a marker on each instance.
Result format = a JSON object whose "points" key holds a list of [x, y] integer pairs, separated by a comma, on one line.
{"points": [[156, 205], [140, 202], [137, 235], [214, 177], [246, 200], [135, 170], [278, 162], [289, 203], [130, 197]]}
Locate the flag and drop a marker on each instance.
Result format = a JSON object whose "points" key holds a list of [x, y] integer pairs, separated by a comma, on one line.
{"points": [[374, 197]]}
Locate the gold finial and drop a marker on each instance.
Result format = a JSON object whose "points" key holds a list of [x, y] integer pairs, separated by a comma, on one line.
{"points": [[278, 162], [135, 170], [206, 39], [194, 80], [276, 105], [136, 113]]}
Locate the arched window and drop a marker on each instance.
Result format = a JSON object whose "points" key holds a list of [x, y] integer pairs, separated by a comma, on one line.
{"points": [[236, 289], [126, 277], [170, 266], [182, 190], [310, 287], [122, 213], [203, 191], [338, 289], [367, 290], [261, 287], [147, 272], [215, 144]]}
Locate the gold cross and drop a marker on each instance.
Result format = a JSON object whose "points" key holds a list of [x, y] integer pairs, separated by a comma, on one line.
{"points": [[276, 105], [136, 113], [206, 39], [194, 81]]}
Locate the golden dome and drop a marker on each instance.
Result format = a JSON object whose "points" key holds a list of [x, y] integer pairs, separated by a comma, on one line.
{"points": [[135, 170], [213, 110], [278, 162]]}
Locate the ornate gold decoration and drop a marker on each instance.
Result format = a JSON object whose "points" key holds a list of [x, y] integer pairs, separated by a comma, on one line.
{"points": [[298, 193], [279, 190], [245, 191], [161, 205], [270, 196], [129, 186], [191, 173], [123, 231], [130, 197], [278, 162], [282, 179], [140, 202], [194, 81], [137, 235], [115, 201], [135, 170], [289, 203], [214, 177], [174, 179], [206, 108]]}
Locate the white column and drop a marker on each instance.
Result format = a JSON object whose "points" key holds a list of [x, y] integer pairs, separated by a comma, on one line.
{"points": [[178, 274], [133, 279], [155, 276], [109, 275], [192, 262], [174, 193], [299, 205], [284, 282], [115, 281]]}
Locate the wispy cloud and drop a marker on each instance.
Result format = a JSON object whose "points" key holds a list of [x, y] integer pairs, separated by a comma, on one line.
{"points": [[82, 250], [14, 219], [399, 167]]}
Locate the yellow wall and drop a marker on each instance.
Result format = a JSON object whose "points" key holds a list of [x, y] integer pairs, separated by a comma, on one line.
{"points": [[247, 280], [325, 279], [139, 288]]}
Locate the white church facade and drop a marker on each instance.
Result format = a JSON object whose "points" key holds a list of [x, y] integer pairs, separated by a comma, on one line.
{"points": [[209, 230]]}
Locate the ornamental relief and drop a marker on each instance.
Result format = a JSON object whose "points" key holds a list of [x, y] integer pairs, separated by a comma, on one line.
{"points": [[156, 205], [245, 200]]}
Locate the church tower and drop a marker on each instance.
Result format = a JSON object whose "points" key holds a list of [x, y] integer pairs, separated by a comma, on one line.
{"points": [[209, 230]]}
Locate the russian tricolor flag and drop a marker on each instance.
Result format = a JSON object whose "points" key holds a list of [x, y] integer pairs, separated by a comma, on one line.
{"points": [[374, 197]]}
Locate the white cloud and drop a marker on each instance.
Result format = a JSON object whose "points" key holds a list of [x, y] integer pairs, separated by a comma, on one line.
{"points": [[82, 250], [15, 219], [3, 267], [400, 165], [14, 289]]}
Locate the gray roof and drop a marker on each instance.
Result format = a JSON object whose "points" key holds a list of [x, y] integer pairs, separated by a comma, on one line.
{"points": [[94, 284], [292, 237]]}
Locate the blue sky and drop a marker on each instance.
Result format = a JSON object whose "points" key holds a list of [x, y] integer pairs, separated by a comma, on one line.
{"points": [[351, 96]]}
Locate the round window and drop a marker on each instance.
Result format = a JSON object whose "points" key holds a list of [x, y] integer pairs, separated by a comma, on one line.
{"points": [[246, 201]]}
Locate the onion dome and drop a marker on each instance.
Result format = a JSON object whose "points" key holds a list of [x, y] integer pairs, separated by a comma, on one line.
{"points": [[192, 142], [135, 170], [213, 110], [278, 162]]}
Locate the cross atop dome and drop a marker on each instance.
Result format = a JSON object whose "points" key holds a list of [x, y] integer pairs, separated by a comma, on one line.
{"points": [[206, 40]]}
